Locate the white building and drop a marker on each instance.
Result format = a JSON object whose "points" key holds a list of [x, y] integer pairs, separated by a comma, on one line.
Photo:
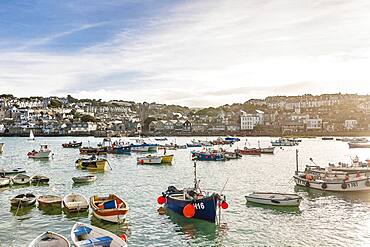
{"points": [[314, 124], [249, 120], [83, 127], [350, 124]]}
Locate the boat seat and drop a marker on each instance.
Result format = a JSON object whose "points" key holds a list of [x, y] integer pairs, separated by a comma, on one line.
{"points": [[81, 230], [100, 241]]}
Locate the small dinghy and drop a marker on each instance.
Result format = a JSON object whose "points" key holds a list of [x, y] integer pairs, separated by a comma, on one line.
{"points": [[73, 144], [274, 199], [39, 179], [21, 179], [23, 200], [5, 181], [84, 235], [109, 208], [75, 203], [4, 173], [92, 164], [49, 201], [84, 179], [50, 239]]}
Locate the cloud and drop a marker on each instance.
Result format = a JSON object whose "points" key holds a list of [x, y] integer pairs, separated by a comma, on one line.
{"points": [[208, 53]]}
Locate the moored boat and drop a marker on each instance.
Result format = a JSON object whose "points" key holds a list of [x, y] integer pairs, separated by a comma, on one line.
{"points": [[84, 235], [283, 142], [267, 150], [167, 158], [249, 151], [84, 179], [149, 160], [23, 200], [5, 181], [232, 155], [358, 145], [327, 138], [192, 202], [75, 203], [43, 153], [274, 199], [49, 201], [50, 239], [109, 208], [213, 155], [72, 144], [4, 173], [92, 150], [31, 137], [2, 147], [39, 179], [121, 149], [92, 164], [21, 179]]}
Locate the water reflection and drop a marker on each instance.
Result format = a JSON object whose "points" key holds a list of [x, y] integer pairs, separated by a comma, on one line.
{"points": [[275, 209], [350, 197], [117, 229], [46, 210], [194, 229], [21, 211]]}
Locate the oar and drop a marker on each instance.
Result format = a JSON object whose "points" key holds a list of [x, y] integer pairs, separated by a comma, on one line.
{"points": [[109, 165]]}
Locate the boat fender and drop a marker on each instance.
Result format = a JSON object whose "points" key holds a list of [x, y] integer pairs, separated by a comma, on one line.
{"points": [[307, 183], [367, 183], [324, 186], [344, 185]]}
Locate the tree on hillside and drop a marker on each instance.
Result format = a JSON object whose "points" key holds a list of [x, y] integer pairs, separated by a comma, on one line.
{"points": [[87, 118], [55, 104]]}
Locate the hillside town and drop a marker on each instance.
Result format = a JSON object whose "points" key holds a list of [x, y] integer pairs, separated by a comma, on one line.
{"points": [[327, 114]]}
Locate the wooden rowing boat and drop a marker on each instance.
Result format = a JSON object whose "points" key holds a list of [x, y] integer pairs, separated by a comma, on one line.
{"points": [[84, 179], [49, 201], [23, 200], [50, 239], [274, 199], [75, 203], [110, 208]]}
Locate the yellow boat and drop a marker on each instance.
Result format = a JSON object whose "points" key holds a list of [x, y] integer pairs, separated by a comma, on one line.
{"points": [[167, 158], [92, 164]]}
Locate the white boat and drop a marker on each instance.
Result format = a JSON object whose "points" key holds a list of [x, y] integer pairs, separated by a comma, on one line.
{"points": [[23, 200], [275, 199], [5, 181], [84, 235], [110, 208], [84, 179], [50, 239], [2, 147], [267, 150], [139, 148], [150, 159], [43, 153], [283, 142], [31, 137], [21, 179], [75, 203]]}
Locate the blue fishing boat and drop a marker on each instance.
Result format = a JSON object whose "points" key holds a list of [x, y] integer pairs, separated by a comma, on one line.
{"points": [[208, 156], [193, 202], [193, 145], [232, 139], [121, 150]]}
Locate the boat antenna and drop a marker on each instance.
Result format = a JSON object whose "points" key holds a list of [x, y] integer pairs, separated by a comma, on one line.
{"points": [[223, 188], [195, 175], [312, 161], [296, 162]]}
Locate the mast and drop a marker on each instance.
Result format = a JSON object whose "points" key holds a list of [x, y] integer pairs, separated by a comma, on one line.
{"points": [[195, 176], [296, 161]]}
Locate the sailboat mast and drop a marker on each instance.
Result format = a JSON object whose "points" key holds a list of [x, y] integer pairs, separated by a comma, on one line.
{"points": [[195, 176], [296, 161]]}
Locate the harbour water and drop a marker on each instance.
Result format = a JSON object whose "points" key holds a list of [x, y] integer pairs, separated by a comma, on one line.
{"points": [[323, 219]]}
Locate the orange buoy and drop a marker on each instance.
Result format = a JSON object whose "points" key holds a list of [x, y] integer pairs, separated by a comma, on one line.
{"points": [[123, 237], [224, 205], [189, 211]]}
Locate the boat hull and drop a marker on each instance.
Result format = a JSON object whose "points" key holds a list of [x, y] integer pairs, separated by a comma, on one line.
{"points": [[167, 158], [289, 201], [115, 213], [40, 155], [92, 165], [205, 208], [355, 185], [50, 239]]}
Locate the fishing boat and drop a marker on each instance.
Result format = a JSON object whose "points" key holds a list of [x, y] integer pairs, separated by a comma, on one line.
{"points": [[50, 239], [233, 139], [221, 141], [121, 149], [232, 155], [268, 150], [274, 199], [84, 235], [283, 142], [325, 180], [43, 153], [31, 137], [5, 181], [249, 151], [2, 147], [21, 179], [75, 203], [358, 145], [92, 150], [73, 144], [109, 208], [92, 164], [49, 201], [149, 160], [213, 155], [193, 202], [160, 139], [39, 179], [23, 200], [193, 145], [326, 138], [84, 179], [4, 173]]}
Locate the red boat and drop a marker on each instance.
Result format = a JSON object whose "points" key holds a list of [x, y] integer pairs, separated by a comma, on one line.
{"points": [[249, 151]]}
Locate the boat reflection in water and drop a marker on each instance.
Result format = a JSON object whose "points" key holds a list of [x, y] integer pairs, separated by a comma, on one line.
{"points": [[274, 209], [199, 231], [117, 229]]}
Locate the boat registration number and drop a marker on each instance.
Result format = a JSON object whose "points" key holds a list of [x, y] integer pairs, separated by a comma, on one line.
{"points": [[199, 205], [352, 184]]}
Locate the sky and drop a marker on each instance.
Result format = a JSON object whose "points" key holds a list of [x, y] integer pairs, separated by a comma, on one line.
{"points": [[191, 53]]}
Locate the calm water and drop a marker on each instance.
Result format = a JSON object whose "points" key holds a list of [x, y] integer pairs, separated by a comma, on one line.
{"points": [[323, 219]]}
